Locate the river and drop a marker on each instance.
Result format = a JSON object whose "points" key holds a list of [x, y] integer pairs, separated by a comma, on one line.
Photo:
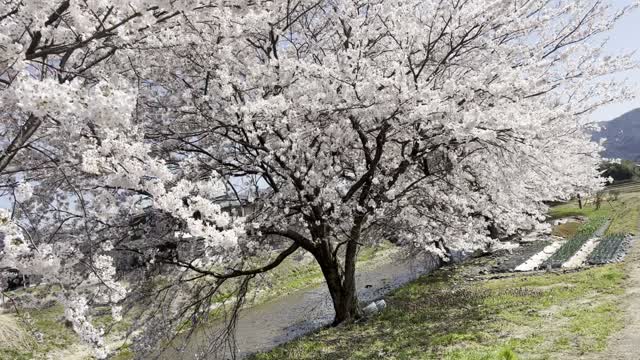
{"points": [[267, 325]]}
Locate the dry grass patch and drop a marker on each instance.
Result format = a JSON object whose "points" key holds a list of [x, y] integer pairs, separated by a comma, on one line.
{"points": [[12, 334], [566, 230]]}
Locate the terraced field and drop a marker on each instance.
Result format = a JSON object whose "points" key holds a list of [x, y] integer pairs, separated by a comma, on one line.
{"points": [[572, 246], [610, 249], [520, 255]]}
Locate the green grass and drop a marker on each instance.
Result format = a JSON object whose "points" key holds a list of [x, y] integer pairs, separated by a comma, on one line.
{"points": [[572, 209], [442, 316], [623, 211], [626, 215], [593, 324], [125, 353], [49, 324], [292, 276]]}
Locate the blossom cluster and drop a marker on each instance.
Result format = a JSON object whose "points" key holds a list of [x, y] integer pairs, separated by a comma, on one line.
{"points": [[176, 136]]}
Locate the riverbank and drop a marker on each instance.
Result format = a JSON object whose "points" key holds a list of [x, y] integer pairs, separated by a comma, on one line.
{"points": [[43, 333], [462, 313], [459, 312], [284, 319]]}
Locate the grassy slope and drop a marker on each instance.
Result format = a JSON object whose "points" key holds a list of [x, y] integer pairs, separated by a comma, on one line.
{"points": [[48, 325], [443, 316], [56, 337], [544, 316], [626, 214], [623, 208], [415, 327]]}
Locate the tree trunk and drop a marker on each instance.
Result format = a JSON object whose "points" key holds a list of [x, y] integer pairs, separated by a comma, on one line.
{"points": [[579, 201], [342, 288]]}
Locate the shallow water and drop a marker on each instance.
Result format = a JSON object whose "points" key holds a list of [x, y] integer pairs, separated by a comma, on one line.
{"points": [[265, 326]]}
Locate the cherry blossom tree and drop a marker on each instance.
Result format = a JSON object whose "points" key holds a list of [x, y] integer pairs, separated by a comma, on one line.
{"points": [[442, 123]]}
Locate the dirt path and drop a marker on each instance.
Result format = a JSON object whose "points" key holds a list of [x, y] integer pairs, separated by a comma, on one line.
{"points": [[626, 343]]}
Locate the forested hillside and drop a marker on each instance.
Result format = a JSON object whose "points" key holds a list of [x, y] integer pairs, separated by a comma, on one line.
{"points": [[623, 136]]}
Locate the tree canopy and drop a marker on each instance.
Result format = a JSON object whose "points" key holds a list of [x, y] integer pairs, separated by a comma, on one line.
{"points": [[338, 122]]}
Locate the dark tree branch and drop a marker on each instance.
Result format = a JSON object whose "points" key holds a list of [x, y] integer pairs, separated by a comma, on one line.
{"points": [[27, 130]]}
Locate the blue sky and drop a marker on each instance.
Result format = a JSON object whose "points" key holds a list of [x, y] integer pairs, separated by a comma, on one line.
{"points": [[624, 37]]}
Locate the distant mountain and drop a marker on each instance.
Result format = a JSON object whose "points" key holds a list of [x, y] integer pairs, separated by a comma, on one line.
{"points": [[623, 136]]}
